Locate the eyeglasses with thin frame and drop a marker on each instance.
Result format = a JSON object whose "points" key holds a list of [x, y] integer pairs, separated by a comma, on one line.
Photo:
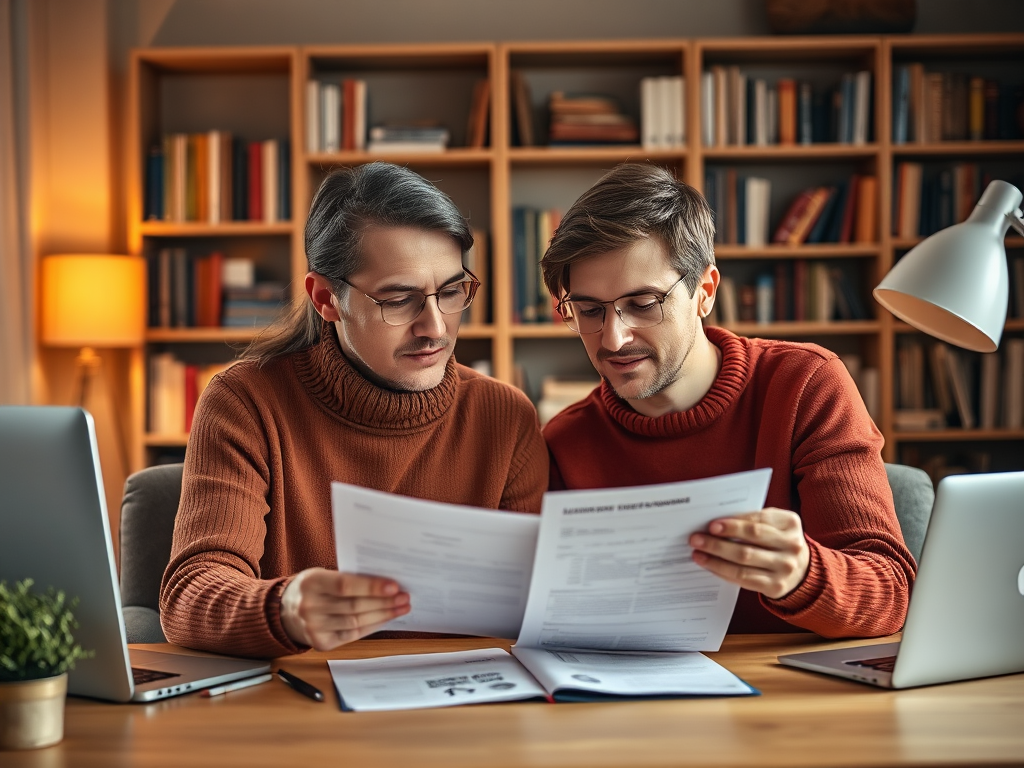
{"points": [[636, 310], [403, 308]]}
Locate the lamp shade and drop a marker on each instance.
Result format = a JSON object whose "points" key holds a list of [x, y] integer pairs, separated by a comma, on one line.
{"points": [[954, 285], [93, 300]]}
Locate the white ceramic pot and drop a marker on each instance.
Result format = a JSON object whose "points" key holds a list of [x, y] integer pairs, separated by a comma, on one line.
{"points": [[32, 712]]}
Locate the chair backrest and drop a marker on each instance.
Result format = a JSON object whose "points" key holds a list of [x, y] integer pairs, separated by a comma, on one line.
{"points": [[148, 509], [913, 496]]}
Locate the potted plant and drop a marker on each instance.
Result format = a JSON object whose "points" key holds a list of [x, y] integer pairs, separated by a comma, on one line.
{"points": [[37, 648]]}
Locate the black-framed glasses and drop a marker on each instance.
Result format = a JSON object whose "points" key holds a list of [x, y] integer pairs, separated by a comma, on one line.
{"points": [[635, 310], [404, 307]]}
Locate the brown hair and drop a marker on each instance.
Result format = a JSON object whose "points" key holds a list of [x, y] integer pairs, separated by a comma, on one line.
{"points": [[347, 202], [632, 202]]}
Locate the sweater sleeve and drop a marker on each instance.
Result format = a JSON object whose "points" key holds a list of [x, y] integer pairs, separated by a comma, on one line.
{"points": [[212, 597], [860, 572]]}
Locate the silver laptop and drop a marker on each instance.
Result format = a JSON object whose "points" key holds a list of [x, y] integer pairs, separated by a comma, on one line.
{"points": [[54, 529], [966, 615]]}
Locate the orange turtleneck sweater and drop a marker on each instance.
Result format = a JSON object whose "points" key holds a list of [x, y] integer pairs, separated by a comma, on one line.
{"points": [[794, 408], [266, 443]]}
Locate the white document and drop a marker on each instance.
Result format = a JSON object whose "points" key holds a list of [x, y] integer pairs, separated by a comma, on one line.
{"points": [[467, 570], [584, 676], [614, 569], [432, 680]]}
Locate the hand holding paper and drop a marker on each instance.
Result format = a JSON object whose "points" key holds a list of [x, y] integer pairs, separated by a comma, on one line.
{"points": [[324, 609]]}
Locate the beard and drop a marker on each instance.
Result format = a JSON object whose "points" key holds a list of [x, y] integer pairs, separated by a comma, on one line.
{"points": [[668, 367]]}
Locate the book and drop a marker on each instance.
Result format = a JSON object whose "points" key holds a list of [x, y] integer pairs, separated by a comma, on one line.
{"points": [[757, 199], [918, 420], [960, 386], [489, 675], [707, 109], [809, 216], [522, 109], [269, 151], [866, 227], [479, 110], [787, 110], [764, 306], [861, 130], [941, 390], [652, 114], [988, 410], [844, 233], [792, 216], [330, 117], [255, 181], [1013, 383], [313, 111], [825, 223], [900, 104]]}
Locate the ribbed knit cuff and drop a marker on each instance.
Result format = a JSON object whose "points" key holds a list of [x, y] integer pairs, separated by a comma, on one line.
{"points": [[807, 592], [274, 621]]}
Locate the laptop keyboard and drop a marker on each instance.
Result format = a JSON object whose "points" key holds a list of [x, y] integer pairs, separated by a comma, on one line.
{"points": [[882, 663], [150, 675]]}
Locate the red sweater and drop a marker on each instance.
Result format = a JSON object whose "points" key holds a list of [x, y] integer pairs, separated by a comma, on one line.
{"points": [[794, 408], [266, 443]]}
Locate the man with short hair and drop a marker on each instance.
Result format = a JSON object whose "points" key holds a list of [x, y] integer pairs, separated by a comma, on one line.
{"points": [[632, 266], [357, 385]]}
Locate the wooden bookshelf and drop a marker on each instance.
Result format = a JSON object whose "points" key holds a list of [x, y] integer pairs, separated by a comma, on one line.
{"points": [[261, 92]]}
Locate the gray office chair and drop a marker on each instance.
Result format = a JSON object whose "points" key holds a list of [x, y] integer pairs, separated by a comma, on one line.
{"points": [[151, 501], [913, 496], [148, 508]]}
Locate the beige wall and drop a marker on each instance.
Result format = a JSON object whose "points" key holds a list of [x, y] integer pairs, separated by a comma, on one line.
{"points": [[75, 192]]}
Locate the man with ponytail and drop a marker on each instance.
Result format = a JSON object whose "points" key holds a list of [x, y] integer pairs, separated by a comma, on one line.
{"points": [[359, 385]]}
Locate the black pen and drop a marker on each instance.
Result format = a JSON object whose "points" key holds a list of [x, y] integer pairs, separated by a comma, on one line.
{"points": [[300, 685]]}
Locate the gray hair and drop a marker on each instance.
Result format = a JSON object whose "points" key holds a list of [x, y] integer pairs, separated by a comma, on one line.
{"points": [[348, 201]]}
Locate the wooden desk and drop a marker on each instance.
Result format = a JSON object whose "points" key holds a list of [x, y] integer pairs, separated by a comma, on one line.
{"points": [[802, 719]]}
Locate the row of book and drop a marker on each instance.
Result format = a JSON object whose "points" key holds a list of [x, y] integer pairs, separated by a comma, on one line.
{"points": [[953, 106], [738, 110], [337, 119], [663, 111], [215, 177], [335, 115], [793, 291], [840, 213], [174, 389], [532, 229], [189, 290], [834, 213], [939, 386], [927, 198], [741, 206]]}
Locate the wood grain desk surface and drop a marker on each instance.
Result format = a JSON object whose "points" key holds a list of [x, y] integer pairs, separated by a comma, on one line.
{"points": [[801, 719]]}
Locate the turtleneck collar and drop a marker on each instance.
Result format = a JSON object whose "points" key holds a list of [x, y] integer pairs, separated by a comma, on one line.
{"points": [[330, 378], [732, 378]]}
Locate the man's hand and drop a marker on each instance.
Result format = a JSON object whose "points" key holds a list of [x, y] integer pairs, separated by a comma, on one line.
{"points": [[761, 551], [325, 609]]}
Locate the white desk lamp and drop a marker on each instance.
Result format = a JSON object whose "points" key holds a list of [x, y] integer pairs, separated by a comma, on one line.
{"points": [[954, 285]]}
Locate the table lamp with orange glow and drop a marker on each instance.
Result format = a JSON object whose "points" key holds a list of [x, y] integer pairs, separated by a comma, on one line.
{"points": [[89, 301]]}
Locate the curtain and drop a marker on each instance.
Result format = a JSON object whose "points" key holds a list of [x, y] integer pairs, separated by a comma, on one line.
{"points": [[16, 295]]}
